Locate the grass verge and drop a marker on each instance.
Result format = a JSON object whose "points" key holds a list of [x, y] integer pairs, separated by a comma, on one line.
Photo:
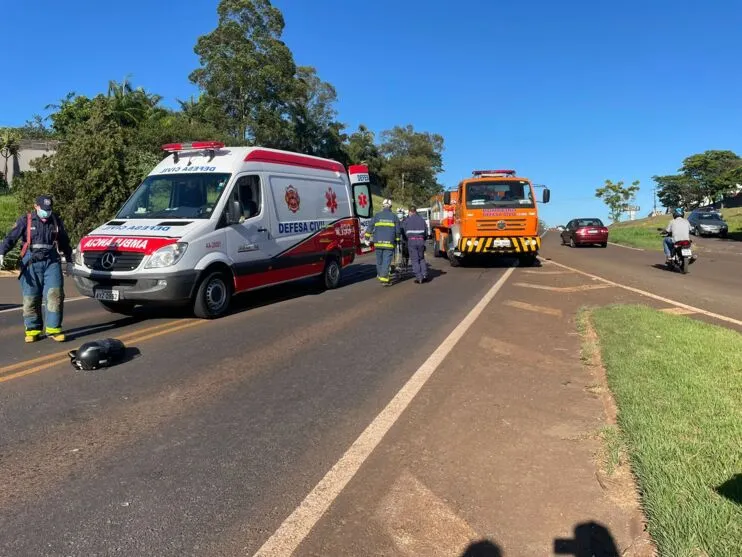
{"points": [[639, 237], [678, 386], [8, 215]]}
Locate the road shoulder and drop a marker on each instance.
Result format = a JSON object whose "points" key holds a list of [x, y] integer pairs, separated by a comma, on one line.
{"points": [[503, 445]]}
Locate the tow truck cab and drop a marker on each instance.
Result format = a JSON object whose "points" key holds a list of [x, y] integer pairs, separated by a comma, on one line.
{"points": [[495, 214]]}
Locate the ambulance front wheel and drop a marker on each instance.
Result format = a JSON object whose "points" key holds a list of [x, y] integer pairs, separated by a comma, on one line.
{"points": [[213, 296], [331, 274]]}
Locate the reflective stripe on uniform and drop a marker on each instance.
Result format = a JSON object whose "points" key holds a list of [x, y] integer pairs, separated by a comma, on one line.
{"points": [[384, 245], [385, 223], [384, 279], [53, 330], [415, 232], [42, 246], [32, 333]]}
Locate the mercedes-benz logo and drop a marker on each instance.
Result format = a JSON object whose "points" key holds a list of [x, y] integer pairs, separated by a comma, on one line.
{"points": [[108, 260], [501, 224]]}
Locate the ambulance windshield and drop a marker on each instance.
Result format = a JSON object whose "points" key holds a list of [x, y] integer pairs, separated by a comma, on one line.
{"points": [[502, 193], [176, 196]]}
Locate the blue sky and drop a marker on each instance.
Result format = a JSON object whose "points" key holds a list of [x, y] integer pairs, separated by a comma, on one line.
{"points": [[567, 93]]}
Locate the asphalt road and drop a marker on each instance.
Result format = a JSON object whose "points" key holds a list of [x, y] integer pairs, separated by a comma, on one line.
{"points": [[712, 282], [216, 430], [215, 427]]}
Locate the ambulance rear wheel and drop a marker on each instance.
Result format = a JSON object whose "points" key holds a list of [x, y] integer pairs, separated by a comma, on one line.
{"points": [[213, 296], [331, 274], [122, 308]]}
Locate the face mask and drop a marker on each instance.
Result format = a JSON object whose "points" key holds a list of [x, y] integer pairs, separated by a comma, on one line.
{"points": [[43, 214]]}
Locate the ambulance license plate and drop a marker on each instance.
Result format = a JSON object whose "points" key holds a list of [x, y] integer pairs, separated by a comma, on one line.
{"points": [[686, 252], [107, 295], [501, 243]]}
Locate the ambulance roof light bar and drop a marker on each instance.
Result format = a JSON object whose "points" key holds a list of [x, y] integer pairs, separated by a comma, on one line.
{"points": [[493, 172], [175, 148]]}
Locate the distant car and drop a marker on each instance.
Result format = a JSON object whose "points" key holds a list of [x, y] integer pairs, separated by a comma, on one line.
{"points": [[585, 232], [707, 223]]}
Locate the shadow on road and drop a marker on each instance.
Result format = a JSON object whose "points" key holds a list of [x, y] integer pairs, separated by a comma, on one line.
{"points": [[732, 489], [87, 330], [9, 306], [591, 539], [484, 548]]}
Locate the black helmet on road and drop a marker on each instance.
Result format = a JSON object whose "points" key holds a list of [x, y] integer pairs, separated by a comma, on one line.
{"points": [[97, 354]]}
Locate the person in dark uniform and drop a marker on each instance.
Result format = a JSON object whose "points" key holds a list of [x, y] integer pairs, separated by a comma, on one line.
{"points": [[415, 230], [384, 233], [44, 236]]}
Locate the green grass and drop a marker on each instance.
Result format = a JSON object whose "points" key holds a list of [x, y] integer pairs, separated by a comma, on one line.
{"points": [[678, 386], [642, 233], [8, 215]]}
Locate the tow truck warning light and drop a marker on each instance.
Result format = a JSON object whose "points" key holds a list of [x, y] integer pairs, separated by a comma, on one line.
{"points": [[175, 147], [493, 172]]}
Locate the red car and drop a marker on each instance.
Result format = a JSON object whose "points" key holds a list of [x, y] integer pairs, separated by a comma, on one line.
{"points": [[584, 232]]}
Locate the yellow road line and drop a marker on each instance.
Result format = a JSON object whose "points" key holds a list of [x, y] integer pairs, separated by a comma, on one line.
{"points": [[53, 359]]}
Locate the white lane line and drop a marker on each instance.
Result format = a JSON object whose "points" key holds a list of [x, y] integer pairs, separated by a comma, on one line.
{"points": [[67, 300], [297, 526], [654, 296], [625, 247]]}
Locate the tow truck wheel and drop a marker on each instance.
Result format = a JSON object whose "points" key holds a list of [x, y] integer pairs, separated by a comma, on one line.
{"points": [[528, 260], [122, 308], [436, 249], [453, 260], [331, 274], [213, 296]]}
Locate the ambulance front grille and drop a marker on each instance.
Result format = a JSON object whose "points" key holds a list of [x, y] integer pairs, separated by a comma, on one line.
{"points": [[122, 261]]}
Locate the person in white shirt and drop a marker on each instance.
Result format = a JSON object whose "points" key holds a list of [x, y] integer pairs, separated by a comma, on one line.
{"points": [[678, 230]]}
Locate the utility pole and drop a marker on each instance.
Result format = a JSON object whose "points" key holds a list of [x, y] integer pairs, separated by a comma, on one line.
{"points": [[654, 199]]}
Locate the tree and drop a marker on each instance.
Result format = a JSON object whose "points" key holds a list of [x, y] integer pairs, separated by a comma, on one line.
{"points": [[314, 117], [362, 149], [69, 113], [9, 147], [677, 191], [713, 172], [91, 174], [616, 196], [248, 72], [413, 161], [130, 107], [703, 178]]}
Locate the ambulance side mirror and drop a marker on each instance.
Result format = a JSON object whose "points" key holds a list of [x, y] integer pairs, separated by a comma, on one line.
{"points": [[447, 198], [546, 195], [363, 204], [234, 212]]}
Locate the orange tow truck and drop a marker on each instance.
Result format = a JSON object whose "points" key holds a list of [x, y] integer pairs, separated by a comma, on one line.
{"points": [[492, 214]]}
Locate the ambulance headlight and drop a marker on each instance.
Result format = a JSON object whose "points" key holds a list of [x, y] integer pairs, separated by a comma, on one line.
{"points": [[167, 256], [78, 259]]}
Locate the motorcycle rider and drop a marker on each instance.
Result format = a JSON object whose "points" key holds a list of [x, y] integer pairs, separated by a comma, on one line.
{"points": [[678, 230]]}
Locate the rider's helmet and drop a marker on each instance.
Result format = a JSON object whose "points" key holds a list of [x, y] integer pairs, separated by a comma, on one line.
{"points": [[678, 212]]}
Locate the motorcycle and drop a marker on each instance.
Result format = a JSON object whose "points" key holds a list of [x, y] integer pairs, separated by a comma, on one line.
{"points": [[682, 255]]}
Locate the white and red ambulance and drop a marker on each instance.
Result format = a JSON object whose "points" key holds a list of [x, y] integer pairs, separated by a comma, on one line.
{"points": [[210, 221]]}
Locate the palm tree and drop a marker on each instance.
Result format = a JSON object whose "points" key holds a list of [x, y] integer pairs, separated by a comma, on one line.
{"points": [[131, 106], [9, 147]]}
